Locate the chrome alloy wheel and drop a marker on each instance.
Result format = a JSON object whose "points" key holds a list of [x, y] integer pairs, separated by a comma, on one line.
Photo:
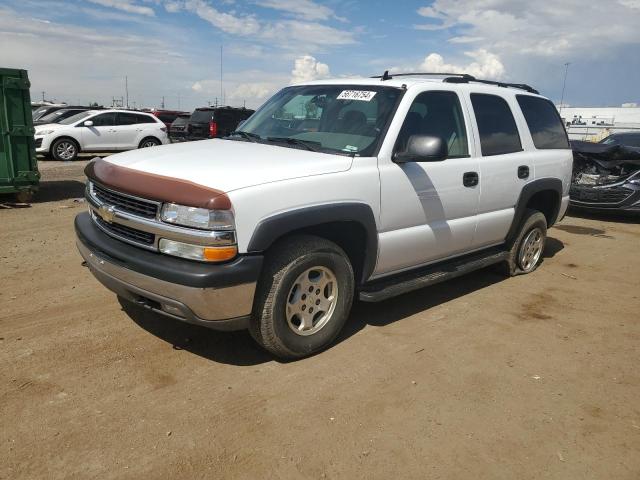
{"points": [[148, 143], [66, 150], [312, 300], [531, 249]]}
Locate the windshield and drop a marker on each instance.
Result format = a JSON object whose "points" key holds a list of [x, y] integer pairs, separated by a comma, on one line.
{"points": [[342, 119], [53, 116], [610, 139], [74, 118]]}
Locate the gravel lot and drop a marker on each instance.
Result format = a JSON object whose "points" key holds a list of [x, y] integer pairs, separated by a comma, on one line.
{"points": [[533, 377]]}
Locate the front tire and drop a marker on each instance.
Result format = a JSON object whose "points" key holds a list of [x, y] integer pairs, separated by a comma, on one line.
{"points": [[527, 248], [304, 297], [64, 150]]}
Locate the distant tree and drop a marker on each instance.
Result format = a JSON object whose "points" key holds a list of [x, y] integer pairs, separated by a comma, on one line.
{"points": [[94, 104]]}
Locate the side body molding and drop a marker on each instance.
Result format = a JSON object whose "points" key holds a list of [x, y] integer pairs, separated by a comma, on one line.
{"points": [[272, 228], [528, 191]]}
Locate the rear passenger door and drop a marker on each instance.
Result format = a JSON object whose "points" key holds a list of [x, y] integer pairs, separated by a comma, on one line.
{"points": [[504, 166], [127, 128]]}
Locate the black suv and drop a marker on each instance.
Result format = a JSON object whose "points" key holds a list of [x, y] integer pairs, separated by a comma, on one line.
{"points": [[215, 122]]}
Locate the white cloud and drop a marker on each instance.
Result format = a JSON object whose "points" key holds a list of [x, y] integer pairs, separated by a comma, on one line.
{"points": [[288, 34], [305, 9], [126, 6], [484, 65], [307, 68], [544, 28], [235, 25]]}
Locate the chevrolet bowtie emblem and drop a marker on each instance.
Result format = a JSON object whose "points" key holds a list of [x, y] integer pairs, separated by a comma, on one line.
{"points": [[107, 212]]}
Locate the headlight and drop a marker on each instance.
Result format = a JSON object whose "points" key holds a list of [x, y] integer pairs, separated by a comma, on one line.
{"points": [[202, 218], [197, 252], [43, 132]]}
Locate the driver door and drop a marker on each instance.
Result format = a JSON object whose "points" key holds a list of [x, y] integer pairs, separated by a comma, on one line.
{"points": [[102, 135], [428, 209]]}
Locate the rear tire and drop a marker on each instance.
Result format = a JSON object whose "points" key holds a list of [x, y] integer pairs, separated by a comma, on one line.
{"points": [[65, 150], [303, 298], [527, 248], [149, 142]]}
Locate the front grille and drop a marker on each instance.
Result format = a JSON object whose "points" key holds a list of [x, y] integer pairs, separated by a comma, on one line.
{"points": [[128, 233], [38, 142], [125, 203], [599, 195]]}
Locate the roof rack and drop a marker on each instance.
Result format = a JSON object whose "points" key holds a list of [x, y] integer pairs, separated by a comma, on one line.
{"points": [[457, 78]]}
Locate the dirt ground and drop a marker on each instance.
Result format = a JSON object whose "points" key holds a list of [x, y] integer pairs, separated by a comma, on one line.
{"points": [[484, 377]]}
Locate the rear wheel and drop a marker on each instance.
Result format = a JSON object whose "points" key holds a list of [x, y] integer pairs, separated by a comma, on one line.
{"points": [[304, 297], [528, 247], [64, 149], [149, 142]]}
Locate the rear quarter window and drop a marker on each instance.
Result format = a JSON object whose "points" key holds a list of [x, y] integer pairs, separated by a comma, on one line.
{"points": [[202, 116], [544, 122], [496, 125]]}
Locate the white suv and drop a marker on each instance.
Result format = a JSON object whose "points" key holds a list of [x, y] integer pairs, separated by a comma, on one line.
{"points": [[99, 131], [364, 188]]}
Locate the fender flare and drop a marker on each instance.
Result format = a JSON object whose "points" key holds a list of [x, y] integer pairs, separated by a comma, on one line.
{"points": [[528, 191], [274, 227]]}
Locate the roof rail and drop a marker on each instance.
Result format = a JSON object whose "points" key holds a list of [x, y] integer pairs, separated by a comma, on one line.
{"points": [[389, 76], [458, 78]]}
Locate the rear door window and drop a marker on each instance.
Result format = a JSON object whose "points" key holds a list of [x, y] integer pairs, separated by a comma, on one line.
{"points": [[496, 125], [544, 122], [127, 119]]}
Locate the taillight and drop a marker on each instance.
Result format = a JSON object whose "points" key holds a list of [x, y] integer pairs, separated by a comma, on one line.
{"points": [[164, 129], [213, 129]]}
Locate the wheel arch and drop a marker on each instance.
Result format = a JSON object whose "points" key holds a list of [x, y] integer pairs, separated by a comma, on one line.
{"points": [[350, 225], [544, 195], [65, 137], [148, 137]]}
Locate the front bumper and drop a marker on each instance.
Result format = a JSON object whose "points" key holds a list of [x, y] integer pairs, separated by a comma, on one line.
{"points": [[616, 197], [42, 143], [216, 296]]}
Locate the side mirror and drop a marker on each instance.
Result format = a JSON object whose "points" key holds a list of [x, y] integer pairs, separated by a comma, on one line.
{"points": [[88, 123], [423, 148]]}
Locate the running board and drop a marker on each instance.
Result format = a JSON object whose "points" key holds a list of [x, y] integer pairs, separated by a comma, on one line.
{"points": [[385, 288]]}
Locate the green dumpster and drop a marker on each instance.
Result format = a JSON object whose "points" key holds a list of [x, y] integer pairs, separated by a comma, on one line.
{"points": [[18, 166]]}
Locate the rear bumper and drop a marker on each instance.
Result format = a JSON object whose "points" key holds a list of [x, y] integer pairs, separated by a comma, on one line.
{"points": [[215, 296]]}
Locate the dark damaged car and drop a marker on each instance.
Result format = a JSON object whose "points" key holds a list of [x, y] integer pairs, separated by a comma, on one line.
{"points": [[606, 177]]}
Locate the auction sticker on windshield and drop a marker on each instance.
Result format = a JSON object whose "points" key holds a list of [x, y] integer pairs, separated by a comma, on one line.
{"points": [[361, 95]]}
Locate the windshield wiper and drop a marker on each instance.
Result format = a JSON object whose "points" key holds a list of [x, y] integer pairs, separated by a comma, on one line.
{"points": [[313, 146], [248, 135]]}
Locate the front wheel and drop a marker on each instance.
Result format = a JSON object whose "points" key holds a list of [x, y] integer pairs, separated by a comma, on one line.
{"points": [[304, 297], [64, 149]]}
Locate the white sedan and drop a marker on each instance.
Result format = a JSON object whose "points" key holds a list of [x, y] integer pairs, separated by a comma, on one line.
{"points": [[100, 131]]}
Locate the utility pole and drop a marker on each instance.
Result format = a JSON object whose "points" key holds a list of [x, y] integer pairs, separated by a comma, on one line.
{"points": [[126, 88], [221, 94], [162, 105], [43, 95], [564, 84]]}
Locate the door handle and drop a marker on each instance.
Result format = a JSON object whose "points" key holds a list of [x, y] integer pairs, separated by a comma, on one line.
{"points": [[470, 179], [523, 171]]}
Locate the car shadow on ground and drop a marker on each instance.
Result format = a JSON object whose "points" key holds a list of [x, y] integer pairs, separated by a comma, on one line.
{"points": [[613, 216], [238, 348], [56, 190]]}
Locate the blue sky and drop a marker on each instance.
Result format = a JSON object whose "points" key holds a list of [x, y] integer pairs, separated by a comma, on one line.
{"points": [[80, 51]]}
